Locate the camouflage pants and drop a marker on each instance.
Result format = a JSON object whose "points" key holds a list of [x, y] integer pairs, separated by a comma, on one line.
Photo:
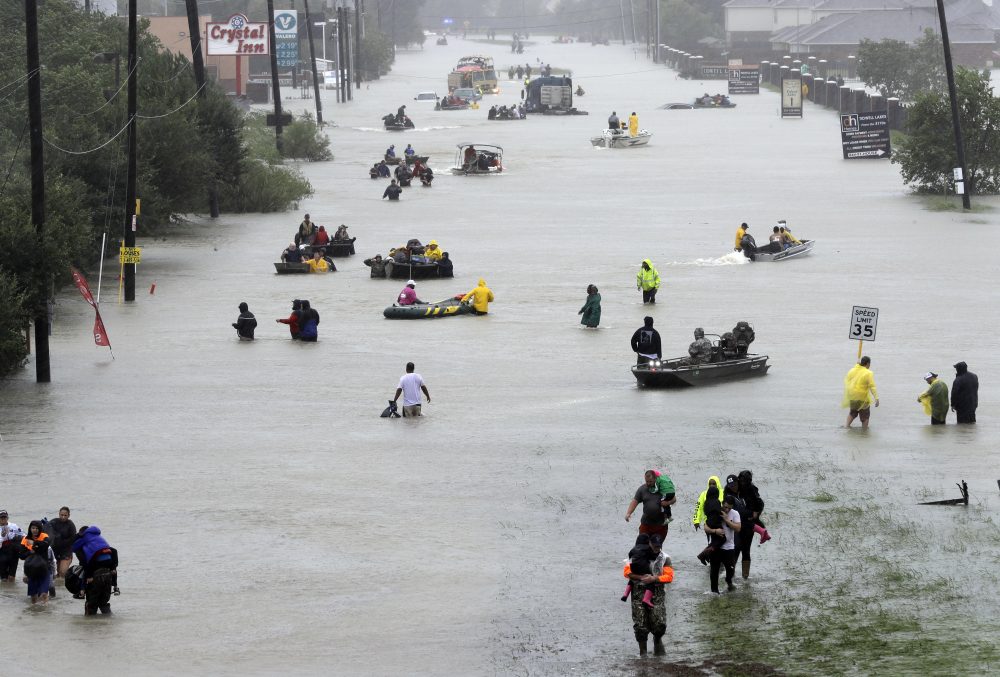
{"points": [[646, 620]]}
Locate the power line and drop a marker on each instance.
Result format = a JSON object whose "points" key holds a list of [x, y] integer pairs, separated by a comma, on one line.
{"points": [[157, 117], [92, 150]]}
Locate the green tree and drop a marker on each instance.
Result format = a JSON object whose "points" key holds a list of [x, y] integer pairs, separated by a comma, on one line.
{"points": [[897, 69], [683, 24], [926, 156], [13, 318]]}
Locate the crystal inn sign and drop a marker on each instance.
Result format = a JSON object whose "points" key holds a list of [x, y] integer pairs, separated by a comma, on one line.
{"points": [[237, 37]]}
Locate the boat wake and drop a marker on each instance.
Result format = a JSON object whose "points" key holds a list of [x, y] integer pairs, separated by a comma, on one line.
{"points": [[730, 259]]}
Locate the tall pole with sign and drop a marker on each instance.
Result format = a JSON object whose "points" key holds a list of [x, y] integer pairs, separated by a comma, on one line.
{"points": [[42, 367], [275, 85], [961, 173], [128, 269], [864, 323]]}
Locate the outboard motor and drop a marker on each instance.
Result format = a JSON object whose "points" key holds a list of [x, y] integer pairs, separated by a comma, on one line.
{"points": [[744, 336]]}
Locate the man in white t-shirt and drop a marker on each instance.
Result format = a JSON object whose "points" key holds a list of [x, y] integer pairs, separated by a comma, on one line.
{"points": [[725, 555], [410, 386]]}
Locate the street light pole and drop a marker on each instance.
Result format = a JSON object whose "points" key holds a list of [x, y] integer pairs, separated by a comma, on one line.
{"points": [[953, 95], [41, 310]]}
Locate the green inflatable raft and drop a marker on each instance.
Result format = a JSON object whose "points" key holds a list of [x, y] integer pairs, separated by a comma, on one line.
{"points": [[421, 311]]}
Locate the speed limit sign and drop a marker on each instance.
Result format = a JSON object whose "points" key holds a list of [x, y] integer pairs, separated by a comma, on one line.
{"points": [[864, 322]]}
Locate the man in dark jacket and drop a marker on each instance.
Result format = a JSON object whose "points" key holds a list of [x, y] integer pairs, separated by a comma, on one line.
{"points": [[750, 506], [964, 394], [445, 267], [377, 265], [245, 323], [646, 342], [392, 191]]}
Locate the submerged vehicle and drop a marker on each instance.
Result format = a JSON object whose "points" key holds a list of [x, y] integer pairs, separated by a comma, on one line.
{"points": [[763, 255], [478, 158], [725, 103], [551, 95], [620, 138], [677, 106], [420, 311], [679, 372]]}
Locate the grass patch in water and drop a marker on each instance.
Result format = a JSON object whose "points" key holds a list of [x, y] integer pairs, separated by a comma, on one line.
{"points": [[952, 203], [822, 497]]}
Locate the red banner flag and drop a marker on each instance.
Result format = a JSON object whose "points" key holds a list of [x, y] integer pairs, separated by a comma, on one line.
{"points": [[100, 334]]}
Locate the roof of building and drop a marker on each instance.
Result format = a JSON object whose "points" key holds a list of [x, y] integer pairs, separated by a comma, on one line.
{"points": [[906, 26]]}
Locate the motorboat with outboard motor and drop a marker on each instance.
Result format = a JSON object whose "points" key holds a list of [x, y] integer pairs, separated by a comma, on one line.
{"points": [[727, 359], [478, 158], [620, 138]]}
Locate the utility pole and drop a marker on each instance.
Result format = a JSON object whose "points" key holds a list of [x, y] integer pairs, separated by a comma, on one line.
{"points": [[621, 10], [312, 59], [359, 32], [345, 88], [194, 32], [349, 52], [275, 86], [953, 95], [656, 46], [42, 367], [130, 177]]}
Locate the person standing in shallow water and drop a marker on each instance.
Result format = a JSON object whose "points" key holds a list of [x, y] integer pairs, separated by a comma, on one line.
{"points": [[245, 323], [649, 618], [591, 310], [964, 394], [860, 392], [935, 399], [647, 280]]}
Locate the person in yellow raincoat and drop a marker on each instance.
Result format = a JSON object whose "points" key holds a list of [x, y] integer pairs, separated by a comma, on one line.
{"points": [[740, 232], [860, 392], [432, 251], [633, 124], [647, 280], [935, 399], [699, 509], [481, 297]]}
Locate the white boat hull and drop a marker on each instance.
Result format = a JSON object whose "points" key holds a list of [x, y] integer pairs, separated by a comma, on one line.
{"points": [[611, 139], [790, 253]]}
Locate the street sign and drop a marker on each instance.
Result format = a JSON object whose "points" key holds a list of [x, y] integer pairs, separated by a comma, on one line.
{"points": [[864, 321], [744, 79], [791, 97], [286, 119], [286, 37], [236, 37], [865, 135], [130, 254]]}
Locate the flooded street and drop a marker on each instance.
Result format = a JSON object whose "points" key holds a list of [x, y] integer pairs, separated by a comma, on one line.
{"points": [[268, 521]]}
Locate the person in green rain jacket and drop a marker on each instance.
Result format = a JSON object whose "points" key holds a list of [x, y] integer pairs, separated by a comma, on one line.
{"points": [[699, 509], [647, 280], [591, 310], [935, 399]]}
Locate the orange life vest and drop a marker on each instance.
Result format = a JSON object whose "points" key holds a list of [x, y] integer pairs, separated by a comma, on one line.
{"points": [[666, 577], [41, 537]]}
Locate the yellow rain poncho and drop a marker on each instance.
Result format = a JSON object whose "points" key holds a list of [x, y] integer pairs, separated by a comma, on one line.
{"points": [[859, 388], [433, 251], [935, 400], [699, 508], [633, 125], [481, 297], [789, 238], [647, 279], [740, 232]]}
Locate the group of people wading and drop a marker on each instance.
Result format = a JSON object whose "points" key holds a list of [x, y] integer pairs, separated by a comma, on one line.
{"points": [[728, 514], [47, 549]]}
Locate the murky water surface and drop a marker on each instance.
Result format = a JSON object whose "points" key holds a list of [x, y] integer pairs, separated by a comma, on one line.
{"points": [[269, 521]]}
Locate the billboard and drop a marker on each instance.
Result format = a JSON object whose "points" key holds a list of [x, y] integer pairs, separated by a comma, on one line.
{"points": [[865, 135], [744, 79], [286, 37], [791, 97], [236, 37]]}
